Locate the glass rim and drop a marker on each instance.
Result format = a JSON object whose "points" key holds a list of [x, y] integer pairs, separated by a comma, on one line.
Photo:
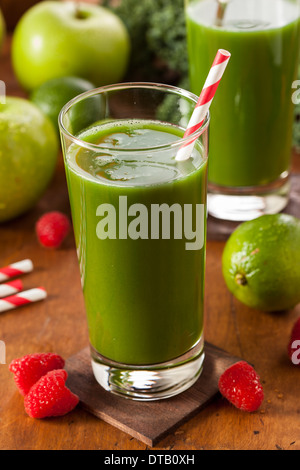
{"points": [[131, 85]]}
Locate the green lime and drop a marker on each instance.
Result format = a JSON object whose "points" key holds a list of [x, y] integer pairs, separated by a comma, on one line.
{"points": [[261, 262], [52, 95]]}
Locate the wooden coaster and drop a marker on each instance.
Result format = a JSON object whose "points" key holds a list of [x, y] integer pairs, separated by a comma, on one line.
{"points": [[221, 229], [148, 422]]}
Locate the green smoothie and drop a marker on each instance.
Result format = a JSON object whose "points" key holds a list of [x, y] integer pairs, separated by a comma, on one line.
{"points": [[142, 283], [252, 112]]}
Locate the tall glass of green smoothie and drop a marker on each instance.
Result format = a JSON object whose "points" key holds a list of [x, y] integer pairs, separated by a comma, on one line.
{"points": [[139, 220], [252, 115]]}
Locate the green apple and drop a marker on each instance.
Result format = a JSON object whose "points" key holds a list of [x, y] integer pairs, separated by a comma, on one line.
{"points": [[55, 39], [28, 155], [2, 28]]}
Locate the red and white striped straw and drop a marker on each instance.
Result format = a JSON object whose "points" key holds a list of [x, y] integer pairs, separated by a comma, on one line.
{"points": [[10, 288], [16, 269], [23, 298], [205, 99]]}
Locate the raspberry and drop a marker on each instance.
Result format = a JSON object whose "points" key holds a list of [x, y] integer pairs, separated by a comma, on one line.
{"points": [[29, 369], [241, 386], [52, 228], [50, 396], [294, 343]]}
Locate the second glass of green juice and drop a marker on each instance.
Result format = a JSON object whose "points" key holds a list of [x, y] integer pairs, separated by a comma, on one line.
{"points": [[252, 113], [139, 220]]}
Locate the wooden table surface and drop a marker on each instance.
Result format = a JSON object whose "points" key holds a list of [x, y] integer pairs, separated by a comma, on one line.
{"points": [[58, 324]]}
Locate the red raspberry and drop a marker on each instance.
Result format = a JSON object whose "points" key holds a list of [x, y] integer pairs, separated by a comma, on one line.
{"points": [[52, 228], [294, 344], [29, 369], [241, 386], [50, 396]]}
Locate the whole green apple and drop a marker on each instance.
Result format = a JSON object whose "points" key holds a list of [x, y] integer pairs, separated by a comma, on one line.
{"points": [[55, 39], [28, 156]]}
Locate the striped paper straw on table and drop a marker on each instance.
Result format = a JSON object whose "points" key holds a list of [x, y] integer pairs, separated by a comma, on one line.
{"points": [[15, 269], [10, 288], [205, 99], [23, 298]]}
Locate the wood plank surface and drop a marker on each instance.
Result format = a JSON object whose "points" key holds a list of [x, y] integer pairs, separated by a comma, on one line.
{"points": [[58, 324]]}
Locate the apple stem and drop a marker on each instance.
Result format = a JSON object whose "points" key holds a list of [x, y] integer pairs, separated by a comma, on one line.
{"points": [[241, 279], [78, 13]]}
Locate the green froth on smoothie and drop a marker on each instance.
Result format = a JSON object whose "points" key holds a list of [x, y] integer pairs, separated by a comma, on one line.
{"points": [[112, 159]]}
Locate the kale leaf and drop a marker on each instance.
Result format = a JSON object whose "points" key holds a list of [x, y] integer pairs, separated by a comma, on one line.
{"points": [[158, 37]]}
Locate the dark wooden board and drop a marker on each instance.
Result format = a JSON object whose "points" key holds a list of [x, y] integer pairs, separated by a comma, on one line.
{"points": [[221, 229], [148, 422]]}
